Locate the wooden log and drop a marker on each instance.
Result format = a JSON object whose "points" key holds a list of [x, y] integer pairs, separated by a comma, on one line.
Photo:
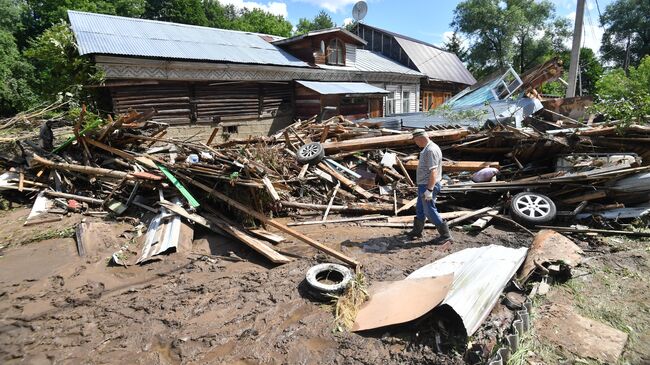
{"points": [[391, 141], [88, 170], [212, 222], [261, 217], [456, 166]]}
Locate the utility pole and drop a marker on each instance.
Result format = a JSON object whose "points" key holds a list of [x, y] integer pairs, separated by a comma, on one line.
{"points": [[575, 50]]}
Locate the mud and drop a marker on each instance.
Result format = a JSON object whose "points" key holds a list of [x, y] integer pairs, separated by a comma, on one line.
{"points": [[221, 303]]}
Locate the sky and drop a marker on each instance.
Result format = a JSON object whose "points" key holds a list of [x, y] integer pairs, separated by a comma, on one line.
{"points": [[427, 20]]}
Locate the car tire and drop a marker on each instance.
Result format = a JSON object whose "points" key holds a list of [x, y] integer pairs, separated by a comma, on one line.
{"points": [[531, 209], [325, 281], [311, 153]]}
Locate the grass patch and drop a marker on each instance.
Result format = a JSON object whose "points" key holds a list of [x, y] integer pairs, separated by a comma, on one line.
{"points": [[51, 234], [347, 305]]}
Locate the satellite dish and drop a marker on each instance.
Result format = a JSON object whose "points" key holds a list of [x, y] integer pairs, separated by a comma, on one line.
{"points": [[322, 46], [359, 10]]}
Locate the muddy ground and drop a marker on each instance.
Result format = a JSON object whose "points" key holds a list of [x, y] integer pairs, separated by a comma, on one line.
{"points": [[224, 304]]}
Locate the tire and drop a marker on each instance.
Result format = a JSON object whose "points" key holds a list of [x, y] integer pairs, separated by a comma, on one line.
{"points": [[311, 153], [532, 209], [318, 276]]}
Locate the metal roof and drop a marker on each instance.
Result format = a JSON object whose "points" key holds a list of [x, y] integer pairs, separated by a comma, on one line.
{"points": [[368, 61], [437, 64], [114, 35], [480, 274], [319, 32], [335, 88]]}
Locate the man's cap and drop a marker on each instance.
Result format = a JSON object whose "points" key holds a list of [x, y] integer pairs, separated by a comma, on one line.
{"points": [[419, 133]]}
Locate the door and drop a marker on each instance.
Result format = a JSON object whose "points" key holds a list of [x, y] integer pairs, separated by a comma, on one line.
{"points": [[431, 99], [375, 107]]}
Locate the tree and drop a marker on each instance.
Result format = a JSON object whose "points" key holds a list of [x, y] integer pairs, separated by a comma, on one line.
{"points": [[260, 21], [15, 75], [455, 46], [508, 32], [625, 98], [627, 32], [321, 21], [177, 11], [59, 68]]}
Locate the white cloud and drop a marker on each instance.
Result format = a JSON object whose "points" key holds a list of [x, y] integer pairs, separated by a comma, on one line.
{"points": [[347, 21], [273, 7], [332, 5]]}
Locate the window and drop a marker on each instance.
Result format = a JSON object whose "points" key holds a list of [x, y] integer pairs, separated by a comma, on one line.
{"points": [[336, 53], [231, 129], [406, 101], [390, 104]]}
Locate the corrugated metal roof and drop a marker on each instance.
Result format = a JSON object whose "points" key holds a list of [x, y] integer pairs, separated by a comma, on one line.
{"points": [[114, 35], [368, 61], [335, 88], [480, 274], [435, 63]]}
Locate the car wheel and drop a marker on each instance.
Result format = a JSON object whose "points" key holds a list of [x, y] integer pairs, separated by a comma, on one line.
{"points": [[532, 209], [324, 281], [311, 153]]}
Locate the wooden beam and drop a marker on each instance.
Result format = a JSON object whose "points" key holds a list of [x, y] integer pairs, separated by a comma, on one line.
{"points": [[269, 187], [406, 173], [456, 166], [469, 215], [391, 141], [345, 181], [268, 221], [598, 194], [219, 226], [329, 205]]}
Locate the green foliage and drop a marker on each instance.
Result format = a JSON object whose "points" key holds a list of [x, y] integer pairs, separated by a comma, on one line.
{"points": [[627, 26], [625, 98], [259, 21], [15, 74], [58, 64], [177, 11], [455, 45], [321, 21], [511, 32]]}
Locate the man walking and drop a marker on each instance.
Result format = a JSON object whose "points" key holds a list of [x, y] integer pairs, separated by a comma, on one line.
{"points": [[429, 174]]}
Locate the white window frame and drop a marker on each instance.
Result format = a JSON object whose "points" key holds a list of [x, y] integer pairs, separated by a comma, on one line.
{"points": [[406, 101], [389, 107]]}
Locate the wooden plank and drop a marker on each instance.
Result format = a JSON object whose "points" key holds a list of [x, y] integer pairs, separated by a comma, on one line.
{"points": [[406, 173], [342, 220], [261, 217], [409, 218], [110, 149], [407, 206], [469, 215], [598, 194], [269, 187], [592, 230], [212, 135], [269, 236], [345, 181], [482, 222], [391, 141], [456, 166], [219, 226], [329, 205]]}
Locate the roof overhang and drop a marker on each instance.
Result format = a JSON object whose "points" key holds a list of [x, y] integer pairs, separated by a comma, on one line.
{"points": [[341, 31], [342, 88]]}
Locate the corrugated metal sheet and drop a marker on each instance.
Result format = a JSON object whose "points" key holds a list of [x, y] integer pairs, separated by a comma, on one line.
{"points": [[480, 274], [374, 62], [114, 35], [435, 63], [335, 88], [368, 61]]}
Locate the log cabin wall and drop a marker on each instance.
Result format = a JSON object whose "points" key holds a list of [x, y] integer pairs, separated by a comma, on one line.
{"points": [[241, 108]]}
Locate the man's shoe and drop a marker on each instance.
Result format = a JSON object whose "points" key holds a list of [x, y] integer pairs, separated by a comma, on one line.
{"points": [[445, 235], [418, 227]]}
